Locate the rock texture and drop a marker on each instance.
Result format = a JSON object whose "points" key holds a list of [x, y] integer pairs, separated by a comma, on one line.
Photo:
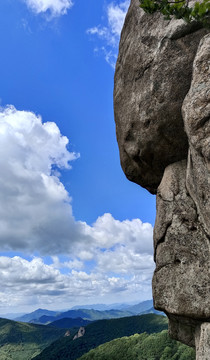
{"points": [[162, 114], [181, 250], [81, 332], [67, 333], [196, 114], [152, 77], [202, 339], [182, 255]]}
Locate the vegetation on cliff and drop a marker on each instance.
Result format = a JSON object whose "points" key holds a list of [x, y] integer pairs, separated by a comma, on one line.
{"points": [[180, 9]]}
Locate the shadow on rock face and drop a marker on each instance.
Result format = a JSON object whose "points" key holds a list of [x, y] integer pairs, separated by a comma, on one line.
{"points": [[162, 114]]}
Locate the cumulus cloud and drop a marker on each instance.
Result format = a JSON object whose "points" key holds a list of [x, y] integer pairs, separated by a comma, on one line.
{"points": [[35, 207], [36, 212], [32, 282], [108, 232], [107, 257], [109, 34], [18, 271], [123, 260], [54, 7]]}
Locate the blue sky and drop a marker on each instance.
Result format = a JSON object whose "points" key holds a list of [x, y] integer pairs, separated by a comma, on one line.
{"points": [[73, 229]]}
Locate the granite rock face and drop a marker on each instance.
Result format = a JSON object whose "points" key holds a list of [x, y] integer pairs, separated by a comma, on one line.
{"points": [[182, 255], [202, 339], [196, 115], [152, 77], [162, 114], [81, 332]]}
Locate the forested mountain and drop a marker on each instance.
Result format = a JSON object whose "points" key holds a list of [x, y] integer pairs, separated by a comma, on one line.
{"points": [[21, 341], [141, 307], [85, 314], [142, 347], [69, 323], [152, 310], [36, 315], [100, 332], [135, 309]]}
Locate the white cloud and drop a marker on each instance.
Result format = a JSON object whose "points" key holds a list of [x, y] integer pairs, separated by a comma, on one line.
{"points": [[36, 212], [103, 259], [109, 34], [108, 232], [98, 31], [70, 264], [32, 284], [35, 207], [18, 271], [116, 15], [110, 56], [124, 261], [54, 7]]}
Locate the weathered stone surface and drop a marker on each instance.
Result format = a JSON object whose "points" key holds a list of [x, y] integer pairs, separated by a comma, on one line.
{"points": [[183, 328], [81, 332], [202, 339], [157, 85], [182, 253], [196, 114], [152, 77], [181, 282]]}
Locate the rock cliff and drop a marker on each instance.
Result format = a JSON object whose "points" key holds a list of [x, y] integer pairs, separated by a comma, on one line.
{"points": [[162, 114], [81, 332]]}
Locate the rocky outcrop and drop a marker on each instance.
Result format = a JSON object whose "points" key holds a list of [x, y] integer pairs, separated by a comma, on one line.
{"points": [[81, 332], [162, 114], [67, 333]]}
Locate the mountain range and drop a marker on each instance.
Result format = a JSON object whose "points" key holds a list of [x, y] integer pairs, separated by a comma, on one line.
{"points": [[36, 315], [42, 316]]}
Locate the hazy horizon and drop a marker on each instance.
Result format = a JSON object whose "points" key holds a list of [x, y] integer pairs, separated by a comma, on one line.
{"points": [[107, 306]]}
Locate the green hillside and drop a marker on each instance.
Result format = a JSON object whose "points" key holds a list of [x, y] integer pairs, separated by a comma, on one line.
{"points": [[21, 341], [142, 347], [102, 331]]}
